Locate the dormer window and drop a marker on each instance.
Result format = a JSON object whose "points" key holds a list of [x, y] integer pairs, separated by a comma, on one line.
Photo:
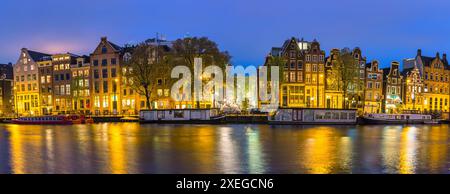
{"points": [[292, 54], [104, 50], [126, 57]]}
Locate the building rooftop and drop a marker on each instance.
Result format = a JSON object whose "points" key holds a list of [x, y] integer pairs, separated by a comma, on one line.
{"points": [[38, 56]]}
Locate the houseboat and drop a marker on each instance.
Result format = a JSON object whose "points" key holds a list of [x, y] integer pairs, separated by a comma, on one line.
{"points": [[181, 116], [51, 120], [313, 116], [397, 119]]}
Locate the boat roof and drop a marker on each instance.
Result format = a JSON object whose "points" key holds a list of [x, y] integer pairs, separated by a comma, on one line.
{"points": [[315, 108]]}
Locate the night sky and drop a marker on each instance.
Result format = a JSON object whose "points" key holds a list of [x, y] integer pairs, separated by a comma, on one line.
{"points": [[384, 29]]}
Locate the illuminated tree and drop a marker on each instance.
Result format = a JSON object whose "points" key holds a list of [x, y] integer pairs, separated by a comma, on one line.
{"points": [[185, 50], [147, 64], [348, 68]]}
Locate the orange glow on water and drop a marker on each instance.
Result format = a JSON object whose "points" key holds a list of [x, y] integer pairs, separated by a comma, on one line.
{"points": [[325, 151], [408, 150], [117, 152], [133, 148], [17, 152]]}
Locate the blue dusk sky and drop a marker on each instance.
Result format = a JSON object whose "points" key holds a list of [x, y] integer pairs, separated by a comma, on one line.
{"points": [[384, 29]]}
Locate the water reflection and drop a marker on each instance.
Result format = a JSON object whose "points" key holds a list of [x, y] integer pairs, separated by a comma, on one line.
{"points": [[133, 148]]}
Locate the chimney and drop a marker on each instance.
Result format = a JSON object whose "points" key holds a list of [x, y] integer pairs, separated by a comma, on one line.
{"points": [[437, 55], [444, 57], [419, 52]]}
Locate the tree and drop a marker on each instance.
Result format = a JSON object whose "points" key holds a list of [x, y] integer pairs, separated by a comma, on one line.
{"points": [[148, 65], [349, 73], [189, 48], [185, 50], [277, 61]]}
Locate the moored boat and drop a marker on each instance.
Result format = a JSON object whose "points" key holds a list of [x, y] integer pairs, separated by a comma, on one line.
{"points": [[396, 119], [50, 120], [181, 116], [313, 116], [431, 122]]}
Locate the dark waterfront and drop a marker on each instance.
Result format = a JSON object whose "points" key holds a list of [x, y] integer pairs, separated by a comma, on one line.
{"points": [[134, 148]]}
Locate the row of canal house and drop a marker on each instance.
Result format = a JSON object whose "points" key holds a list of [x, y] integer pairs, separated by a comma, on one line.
{"points": [[66, 83], [93, 84], [344, 79]]}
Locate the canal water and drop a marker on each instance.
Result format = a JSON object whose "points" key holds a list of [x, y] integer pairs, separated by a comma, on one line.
{"points": [[135, 148]]}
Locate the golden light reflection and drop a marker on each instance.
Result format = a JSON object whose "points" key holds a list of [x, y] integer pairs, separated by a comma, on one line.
{"points": [[26, 150], [408, 150], [101, 140], [321, 155], [17, 151], [133, 148], [117, 152], [389, 149], [84, 144], [436, 152], [50, 150], [345, 153]]}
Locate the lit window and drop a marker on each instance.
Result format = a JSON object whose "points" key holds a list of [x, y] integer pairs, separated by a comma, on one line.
{"points": [[105, 101], [166, 92], [68, 89]]}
